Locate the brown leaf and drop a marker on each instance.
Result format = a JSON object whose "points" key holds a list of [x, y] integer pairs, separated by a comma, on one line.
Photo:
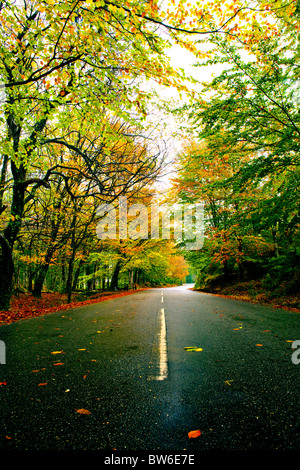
{"points": [[82, 411]]}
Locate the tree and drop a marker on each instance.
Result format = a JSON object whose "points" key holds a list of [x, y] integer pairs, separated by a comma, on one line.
{"points": [[246, 161]]}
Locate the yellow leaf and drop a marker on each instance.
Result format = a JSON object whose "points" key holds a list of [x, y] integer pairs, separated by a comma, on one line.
{"points": [[193, 348], [228, 382], [57, 352]]}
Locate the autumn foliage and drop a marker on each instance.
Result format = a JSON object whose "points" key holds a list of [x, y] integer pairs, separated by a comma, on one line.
{"points": [[81, 124], [26, 306]]}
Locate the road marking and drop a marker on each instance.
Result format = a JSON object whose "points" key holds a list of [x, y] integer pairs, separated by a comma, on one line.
{"points": [[163, 355], [162, 362]]}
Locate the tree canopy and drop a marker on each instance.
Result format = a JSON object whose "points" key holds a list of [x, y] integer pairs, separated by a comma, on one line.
{"points": [[79, 126]]}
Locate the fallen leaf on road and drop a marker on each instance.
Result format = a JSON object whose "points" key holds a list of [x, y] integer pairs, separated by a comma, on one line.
{"points": [[82, 411], [194, 434], [228, 382], [193, 348]]}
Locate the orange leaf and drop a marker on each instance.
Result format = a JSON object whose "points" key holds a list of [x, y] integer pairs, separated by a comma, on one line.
{"points": [[41, 384], [258, 344], [193, 434], [58, 363], [3, 383], [82, 411]]}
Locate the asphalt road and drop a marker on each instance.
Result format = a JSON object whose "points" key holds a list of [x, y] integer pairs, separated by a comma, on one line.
{"points": [[115, 375]]}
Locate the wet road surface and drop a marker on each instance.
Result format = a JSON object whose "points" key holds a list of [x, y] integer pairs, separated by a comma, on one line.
{"points": [[116, 375]]}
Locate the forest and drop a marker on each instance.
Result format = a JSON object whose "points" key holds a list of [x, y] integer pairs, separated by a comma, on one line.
{"points": [[83, 121]]}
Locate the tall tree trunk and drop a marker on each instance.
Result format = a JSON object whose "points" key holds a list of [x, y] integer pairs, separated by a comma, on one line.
{"points": [[226, 270], [240, 262], [11, 232], [70, 275], [6, 273], [76, 275], [39, 282], [9, 236], [115, 276]]}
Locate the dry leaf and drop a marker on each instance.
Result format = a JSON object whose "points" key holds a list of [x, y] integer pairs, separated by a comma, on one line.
{"points": [[258, 344], [42, 384], [82, 411], [57, 352], [194, 434], [58, 364]]}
